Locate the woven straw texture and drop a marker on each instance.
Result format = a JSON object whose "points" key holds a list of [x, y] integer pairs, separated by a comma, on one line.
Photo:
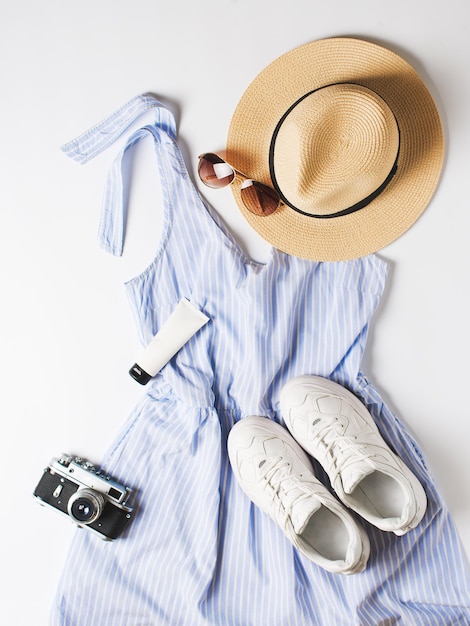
{"points": [[287, 80]]}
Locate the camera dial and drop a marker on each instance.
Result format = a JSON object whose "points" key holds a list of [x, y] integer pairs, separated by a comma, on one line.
{"points": [[85, 506]]}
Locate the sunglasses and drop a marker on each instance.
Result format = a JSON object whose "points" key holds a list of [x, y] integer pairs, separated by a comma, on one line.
{"points": [[217, 173]]}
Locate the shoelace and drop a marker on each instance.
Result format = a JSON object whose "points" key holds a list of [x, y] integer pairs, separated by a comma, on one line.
{"points": [[340, 449], [283, 488]]}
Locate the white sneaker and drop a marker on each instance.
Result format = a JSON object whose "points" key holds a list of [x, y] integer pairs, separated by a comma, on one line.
{"points": [[276, 474], [332, 425]]}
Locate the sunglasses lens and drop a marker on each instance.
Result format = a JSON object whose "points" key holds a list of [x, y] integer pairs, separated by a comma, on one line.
{"points": [[214, 171], [259, 199]]}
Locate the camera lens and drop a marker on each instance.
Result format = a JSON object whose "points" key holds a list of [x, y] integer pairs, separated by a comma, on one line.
{"points": [[85, 506]]}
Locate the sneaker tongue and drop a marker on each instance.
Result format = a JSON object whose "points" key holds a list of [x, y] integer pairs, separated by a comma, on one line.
{"points": [[302, 511], [353, 475]]}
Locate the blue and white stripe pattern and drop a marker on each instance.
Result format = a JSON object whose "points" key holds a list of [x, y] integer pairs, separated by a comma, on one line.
{"points": [[198, 552]]}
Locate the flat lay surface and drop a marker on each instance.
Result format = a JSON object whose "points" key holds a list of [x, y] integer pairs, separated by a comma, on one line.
{"points": [[68, 335]]}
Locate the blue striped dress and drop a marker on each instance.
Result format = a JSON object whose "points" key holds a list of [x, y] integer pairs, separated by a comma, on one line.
{"points": [[198, 552]]}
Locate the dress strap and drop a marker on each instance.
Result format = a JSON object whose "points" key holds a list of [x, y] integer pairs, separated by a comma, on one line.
{"points": [[101, 136]]}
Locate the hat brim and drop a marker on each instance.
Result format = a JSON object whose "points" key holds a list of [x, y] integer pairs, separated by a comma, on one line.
{"points": [[314, 65]]}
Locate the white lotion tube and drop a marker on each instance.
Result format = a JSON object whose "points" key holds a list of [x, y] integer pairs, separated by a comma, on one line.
{"points": [[184, 321]]}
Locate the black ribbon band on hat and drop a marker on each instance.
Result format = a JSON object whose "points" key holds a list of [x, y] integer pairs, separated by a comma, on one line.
{"points": [[354, 207]]}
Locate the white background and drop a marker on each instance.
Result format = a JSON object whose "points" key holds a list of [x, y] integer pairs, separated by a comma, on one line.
{"points": [[67, 334]]}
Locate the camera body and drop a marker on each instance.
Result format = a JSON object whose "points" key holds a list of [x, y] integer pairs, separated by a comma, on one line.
{"points": [[93, 500]]}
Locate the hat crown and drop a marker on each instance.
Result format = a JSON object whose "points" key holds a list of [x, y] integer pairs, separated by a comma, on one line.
{"points": [[333, 148]]}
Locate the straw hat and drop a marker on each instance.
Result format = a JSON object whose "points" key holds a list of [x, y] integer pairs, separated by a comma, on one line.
{"points": [[350, 137]]}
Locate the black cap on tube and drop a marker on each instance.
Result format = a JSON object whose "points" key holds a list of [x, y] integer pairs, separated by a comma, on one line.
{"points": [[140, 375]]}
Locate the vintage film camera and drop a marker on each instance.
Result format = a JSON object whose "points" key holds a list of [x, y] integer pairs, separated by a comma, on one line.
{"points": [[92, 499]]}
